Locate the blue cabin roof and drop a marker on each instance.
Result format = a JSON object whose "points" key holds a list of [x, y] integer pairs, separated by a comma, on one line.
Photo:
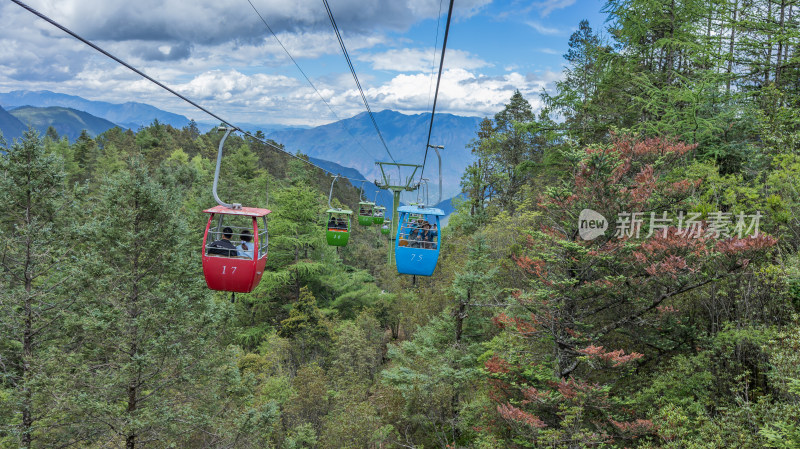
{"points": [[421, 210]]}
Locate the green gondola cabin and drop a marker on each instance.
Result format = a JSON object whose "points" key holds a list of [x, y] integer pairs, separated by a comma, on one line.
{"points": [[338, 231], [365, 213]]}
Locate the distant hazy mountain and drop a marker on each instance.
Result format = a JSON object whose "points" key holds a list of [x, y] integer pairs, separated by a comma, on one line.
{"points": [[66, 121], [11, 127], [130, 115], [384, 198], [447, 205], [265, 128], [405, 136]]}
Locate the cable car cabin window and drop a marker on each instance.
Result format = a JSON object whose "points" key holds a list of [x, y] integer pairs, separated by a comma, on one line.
{"points": [[337, 223], [419, 233], [263, 238], [232, 236], [365, 209]]}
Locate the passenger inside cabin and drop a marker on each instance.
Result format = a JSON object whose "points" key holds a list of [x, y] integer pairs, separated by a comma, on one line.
{"points": [[429, 235], [223, 247], [414, 238], [245, 249]]}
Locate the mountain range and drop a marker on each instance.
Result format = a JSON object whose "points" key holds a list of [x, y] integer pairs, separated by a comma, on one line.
{"points": [[349, 147], [127, 115], [131, 115], [353, 142]]}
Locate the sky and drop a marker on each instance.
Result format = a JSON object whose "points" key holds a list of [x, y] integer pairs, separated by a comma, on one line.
{"points": [[221, 55]]}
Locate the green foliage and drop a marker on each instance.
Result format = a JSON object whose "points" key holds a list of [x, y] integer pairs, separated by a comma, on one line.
{"points": [[354, 290], [307, 329], [40, 267], [295, 237], [527, 336], [433, 376], [357, 352], [146, 322]]}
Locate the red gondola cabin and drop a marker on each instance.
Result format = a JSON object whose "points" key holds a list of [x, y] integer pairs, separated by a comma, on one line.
{"points": [[235, 248]]}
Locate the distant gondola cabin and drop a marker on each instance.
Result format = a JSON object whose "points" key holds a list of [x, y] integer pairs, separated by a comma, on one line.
{"points": [[378, 215], [365, 213], [338, 227]]}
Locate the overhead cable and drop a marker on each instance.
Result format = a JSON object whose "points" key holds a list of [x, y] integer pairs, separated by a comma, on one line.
{"points": [[438, 81], [358, 84], [309, 80], [435, 44]]}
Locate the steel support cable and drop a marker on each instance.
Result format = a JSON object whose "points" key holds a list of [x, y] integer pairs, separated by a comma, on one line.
{"points": [[435, 43], [308, 79], [76, 36], [436, 95], [143, 75], [358, 84]]}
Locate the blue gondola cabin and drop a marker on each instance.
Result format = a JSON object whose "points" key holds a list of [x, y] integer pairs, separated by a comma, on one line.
{"points": [[418, 240]]}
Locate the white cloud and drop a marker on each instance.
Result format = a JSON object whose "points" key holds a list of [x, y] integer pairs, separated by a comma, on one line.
{"points": [[548, 6], [549, 51], [462, 92], [219, 85], [421, 60], [543, 29], [219, 54]]}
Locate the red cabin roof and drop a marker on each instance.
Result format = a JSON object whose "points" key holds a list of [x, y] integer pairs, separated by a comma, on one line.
{"points": [[246, 211]]}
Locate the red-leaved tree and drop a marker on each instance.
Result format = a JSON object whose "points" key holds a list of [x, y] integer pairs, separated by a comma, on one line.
{"points": [[595, 308]]}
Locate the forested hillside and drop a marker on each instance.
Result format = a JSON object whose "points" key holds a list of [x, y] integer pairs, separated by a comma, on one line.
{"points": [[624, 272], [12, 126], [69, 123]]}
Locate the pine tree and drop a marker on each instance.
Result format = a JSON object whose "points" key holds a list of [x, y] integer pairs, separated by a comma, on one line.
{"points": [[148, 328], [307, 329], [38, 268], [576, 99], [86, 153], [506, 151], [295, 235], [477, 179]]}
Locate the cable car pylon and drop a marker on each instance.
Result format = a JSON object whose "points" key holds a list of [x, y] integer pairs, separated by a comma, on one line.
{"points": [[396, 188]]}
